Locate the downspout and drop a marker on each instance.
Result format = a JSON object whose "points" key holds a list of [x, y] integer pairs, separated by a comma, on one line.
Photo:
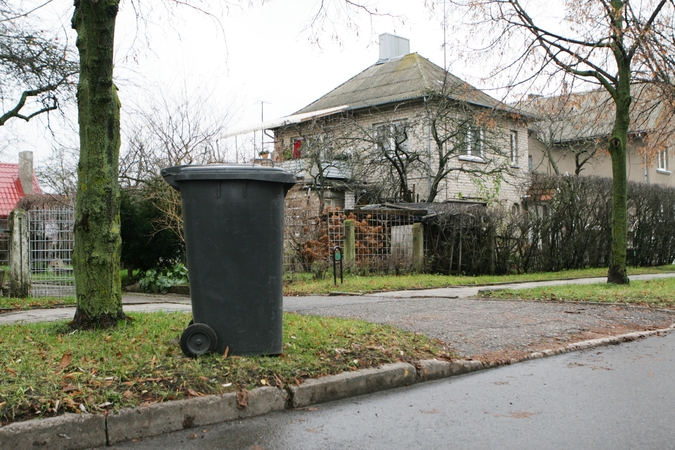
{"points": [[646, 171]]}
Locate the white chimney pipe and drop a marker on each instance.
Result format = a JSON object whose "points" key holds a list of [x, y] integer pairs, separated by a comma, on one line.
{"points": [[26, 172], [392, 46]]}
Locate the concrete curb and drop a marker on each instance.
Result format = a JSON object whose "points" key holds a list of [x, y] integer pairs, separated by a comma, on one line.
{"points": [[81, 431], [160, 418], [70, 431], [351, 384]]}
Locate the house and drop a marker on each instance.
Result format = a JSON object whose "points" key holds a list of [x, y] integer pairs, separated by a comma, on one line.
{"points": [[405, 130], [16, 182], [571, 135]]}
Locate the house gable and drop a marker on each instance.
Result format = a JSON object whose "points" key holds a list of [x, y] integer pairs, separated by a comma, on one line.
{"points": [[11, 190]]}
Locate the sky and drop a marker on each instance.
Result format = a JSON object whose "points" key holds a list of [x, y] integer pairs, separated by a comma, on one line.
{"points": [[243, 62], [249, 61]]}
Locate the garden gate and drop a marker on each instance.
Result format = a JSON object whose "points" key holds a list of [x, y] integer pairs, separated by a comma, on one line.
{"points": [[51, 252]]}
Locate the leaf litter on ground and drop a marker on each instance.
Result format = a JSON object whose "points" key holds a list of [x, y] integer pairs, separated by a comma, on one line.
{"points": [[49, 370]]}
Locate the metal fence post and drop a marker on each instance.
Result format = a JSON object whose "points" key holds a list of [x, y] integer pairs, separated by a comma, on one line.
{"points": [[350, 242], [19, 254]]}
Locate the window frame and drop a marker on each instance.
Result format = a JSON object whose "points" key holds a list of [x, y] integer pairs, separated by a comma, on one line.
{"points": [[470, 143], [662, 162], [514, 148], [296, 152], [391, 130]]}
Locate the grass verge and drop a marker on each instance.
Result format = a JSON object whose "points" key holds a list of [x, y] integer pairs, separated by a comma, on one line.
{"points": [[655, 293], [7, 303], [304, 285], [47, 370]]}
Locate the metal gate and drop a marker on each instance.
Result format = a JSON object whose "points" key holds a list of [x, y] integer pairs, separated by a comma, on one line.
{"points": [[51, 252]]}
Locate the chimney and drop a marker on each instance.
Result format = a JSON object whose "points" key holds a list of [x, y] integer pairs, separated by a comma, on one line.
{"points": [[393, 46], [26, 172]]}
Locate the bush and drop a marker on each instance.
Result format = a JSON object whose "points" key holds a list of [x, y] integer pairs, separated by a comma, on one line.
{"points": [[564, 224], [159, 281], [144, 244]]}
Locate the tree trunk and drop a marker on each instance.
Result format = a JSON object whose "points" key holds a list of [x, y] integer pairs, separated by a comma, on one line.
{"points": [[617, 148], [96, 257]]}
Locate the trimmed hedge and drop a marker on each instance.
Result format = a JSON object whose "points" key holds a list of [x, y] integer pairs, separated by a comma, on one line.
{"points": [[564, 223]]}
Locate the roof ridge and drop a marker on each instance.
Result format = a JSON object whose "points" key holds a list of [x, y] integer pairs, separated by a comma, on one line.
{"points": [[419, 66]]}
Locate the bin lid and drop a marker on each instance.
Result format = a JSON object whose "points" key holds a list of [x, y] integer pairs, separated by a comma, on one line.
{"points": [[177, 174]]}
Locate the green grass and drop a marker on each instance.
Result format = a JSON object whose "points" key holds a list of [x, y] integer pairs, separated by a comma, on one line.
{"points": [[305, 285], [658, 293], [35, 302], [48, 369]]}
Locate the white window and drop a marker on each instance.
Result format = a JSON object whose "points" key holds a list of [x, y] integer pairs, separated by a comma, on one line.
{"points": [[391, 138], [472, 147], [662, 162], [514, 148]]}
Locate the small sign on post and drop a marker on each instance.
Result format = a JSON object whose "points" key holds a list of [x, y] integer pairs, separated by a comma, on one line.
{"points": [[337, 259]]}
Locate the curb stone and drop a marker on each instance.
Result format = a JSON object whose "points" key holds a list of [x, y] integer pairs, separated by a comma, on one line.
{"points": [[81, 431], [160, 418], [350, 384], [64, 432]]}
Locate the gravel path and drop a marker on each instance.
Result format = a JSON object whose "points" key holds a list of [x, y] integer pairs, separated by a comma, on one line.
{"points": [[492, 328]]}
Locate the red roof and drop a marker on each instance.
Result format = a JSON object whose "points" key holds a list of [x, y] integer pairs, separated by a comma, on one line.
{"points": [[10, 188]]}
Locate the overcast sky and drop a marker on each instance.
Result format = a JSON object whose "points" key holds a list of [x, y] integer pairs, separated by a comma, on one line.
{"points": [[248, 55]]}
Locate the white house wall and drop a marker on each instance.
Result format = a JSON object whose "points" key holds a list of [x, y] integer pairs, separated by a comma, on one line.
{"points": [[456, 184]]}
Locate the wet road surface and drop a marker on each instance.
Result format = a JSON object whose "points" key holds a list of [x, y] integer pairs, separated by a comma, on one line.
{"points": [[619, 397]]}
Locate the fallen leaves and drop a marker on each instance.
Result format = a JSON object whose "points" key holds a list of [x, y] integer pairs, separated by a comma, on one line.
{"points": [[242, 399], [65, 360], [193, 393]]}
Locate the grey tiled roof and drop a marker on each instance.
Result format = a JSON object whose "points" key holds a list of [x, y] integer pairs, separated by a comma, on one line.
{"points": [[404, 78], [590, 115]]}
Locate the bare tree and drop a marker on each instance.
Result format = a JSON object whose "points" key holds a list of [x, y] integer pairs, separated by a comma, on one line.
{"points": [[610, 43], [386, 150], [59, 173], [173, 131], [467, 140], [36, 68]]}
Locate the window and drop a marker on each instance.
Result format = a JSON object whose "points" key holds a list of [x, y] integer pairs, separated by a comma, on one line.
{"points": [[297, 148], [530, 163], [392, 138], [472, 147], [514, 148], [662, 163], [515, 209]]}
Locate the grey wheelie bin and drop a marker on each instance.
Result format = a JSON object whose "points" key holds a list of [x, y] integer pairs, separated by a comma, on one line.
{"points": [[234, 224]]}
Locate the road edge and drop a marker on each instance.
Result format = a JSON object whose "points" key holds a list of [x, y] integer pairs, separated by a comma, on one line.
{"points": [[82, 431]]}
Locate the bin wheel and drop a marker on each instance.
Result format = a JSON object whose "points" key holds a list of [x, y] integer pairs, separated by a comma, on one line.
{"points": [[198, 339]]}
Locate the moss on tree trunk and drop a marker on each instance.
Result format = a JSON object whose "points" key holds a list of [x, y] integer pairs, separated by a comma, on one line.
{"points": [[618, 141], [96, 257]]}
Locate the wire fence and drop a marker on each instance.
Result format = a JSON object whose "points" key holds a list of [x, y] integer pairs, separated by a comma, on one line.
{"points": [[4, 242], [51, 250], [382, 240]]}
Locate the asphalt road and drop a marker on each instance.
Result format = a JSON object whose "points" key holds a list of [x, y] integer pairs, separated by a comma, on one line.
{"points": [[620, 397]]}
